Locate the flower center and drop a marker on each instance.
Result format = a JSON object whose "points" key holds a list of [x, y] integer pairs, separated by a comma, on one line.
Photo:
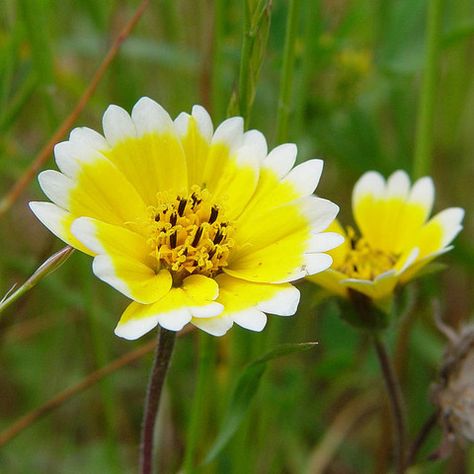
{"points": [[189, 234], [363, 261]]}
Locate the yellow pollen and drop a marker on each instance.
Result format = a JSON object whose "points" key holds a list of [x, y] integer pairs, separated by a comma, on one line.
{"points": [[189, 234], [363, 261]]}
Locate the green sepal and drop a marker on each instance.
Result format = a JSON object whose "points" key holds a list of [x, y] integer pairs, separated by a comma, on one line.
{"points": [[362, 312]]}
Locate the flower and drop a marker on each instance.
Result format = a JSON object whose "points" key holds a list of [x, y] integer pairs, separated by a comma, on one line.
{"points": [[396, 241], [193, 225]]}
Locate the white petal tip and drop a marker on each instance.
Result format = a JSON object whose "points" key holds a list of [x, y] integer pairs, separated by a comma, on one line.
{"points": [[135, 328]]}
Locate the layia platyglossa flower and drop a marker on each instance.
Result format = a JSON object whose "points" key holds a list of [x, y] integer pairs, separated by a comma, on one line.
{"points": [[194, 225], [396, 238]]}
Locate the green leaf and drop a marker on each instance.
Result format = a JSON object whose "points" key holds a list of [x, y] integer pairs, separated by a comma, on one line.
{"points": [[245, 391]]}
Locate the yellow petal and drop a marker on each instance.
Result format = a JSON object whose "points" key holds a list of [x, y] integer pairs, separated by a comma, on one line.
{"points": [[58, 221], [132, 278], [195, 132], [94, 187], [389, 214], [378, 289], [201, 288], [154, 159], [339, 253], [171, 312], [273, 248], [236, 295], [331, 280], [438, 231], [110, 239]]}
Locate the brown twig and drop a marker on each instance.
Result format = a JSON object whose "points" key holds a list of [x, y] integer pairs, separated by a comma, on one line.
{"points": [[46, 151], [27, 420]]}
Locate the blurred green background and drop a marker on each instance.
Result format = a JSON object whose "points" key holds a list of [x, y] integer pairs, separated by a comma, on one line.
{"points": [[354, 101]]}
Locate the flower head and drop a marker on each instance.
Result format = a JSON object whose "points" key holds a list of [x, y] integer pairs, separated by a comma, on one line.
{"points": [[194, 225], [396, 239]]}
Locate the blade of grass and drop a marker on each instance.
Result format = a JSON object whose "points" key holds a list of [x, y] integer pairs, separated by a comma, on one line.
{"points": [[257, 17], [50, 265], [245, 391], [218, 107], [34, 14], [286, 78], [15, 106], [425, 120]]}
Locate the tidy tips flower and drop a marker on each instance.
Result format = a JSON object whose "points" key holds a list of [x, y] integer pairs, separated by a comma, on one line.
{"points": [[194, 225], [396, 238]]}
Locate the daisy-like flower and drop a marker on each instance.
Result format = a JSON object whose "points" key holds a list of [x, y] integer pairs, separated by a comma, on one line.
{"points": [[193, 225], [396, 238]]}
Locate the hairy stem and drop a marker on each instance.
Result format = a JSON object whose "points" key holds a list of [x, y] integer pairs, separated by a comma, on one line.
{"points": [[163, 353], [396, 402]]}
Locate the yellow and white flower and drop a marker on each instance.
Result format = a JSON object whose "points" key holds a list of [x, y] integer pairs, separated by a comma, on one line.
{"points": [[396, 238], [194, 225]]}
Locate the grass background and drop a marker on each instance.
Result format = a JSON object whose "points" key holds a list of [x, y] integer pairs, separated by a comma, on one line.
{"points": [[349, 91]]}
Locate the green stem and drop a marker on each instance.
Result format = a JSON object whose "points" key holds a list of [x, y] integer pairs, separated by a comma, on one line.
{"points": [[394, 393], [244, 61], [309, 62], [196, 422], [286, 78], [425, 119], [49, 266], [163, 353], [218, 107]]}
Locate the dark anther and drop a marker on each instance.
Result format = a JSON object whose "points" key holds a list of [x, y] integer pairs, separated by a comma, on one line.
{"points": [[182, 206], [173, 238], [157, 218], [197, 236], [213, 216], [195, 200], [218, 237], [173, 218], [211, 253]]}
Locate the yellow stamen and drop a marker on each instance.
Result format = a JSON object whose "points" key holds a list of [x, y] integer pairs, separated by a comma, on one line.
{"points": [[363, 261], [189, 234]]}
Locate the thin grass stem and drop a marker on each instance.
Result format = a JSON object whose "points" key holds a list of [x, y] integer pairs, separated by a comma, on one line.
{"points": [[286, 78], [425, 120]]}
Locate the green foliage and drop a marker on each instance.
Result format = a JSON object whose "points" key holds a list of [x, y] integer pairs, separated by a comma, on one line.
{"points": [[354, 94], [244, 393]]}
